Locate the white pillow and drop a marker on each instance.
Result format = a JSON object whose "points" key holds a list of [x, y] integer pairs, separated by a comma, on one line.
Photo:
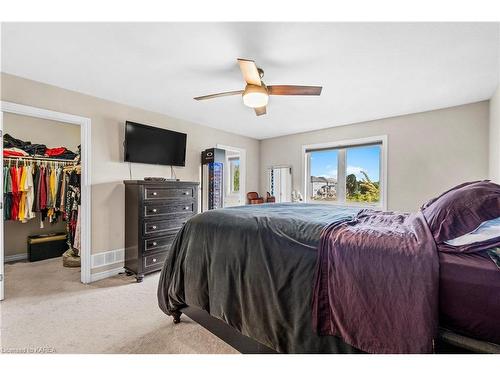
{"points": [[486, 231]]}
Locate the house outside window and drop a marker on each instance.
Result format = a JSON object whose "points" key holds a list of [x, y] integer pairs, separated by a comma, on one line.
{"points": [[348, 173]]}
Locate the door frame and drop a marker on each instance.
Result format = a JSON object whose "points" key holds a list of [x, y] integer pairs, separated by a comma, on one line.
{"points": [[268, 177], [243, 169], [86, 203]]}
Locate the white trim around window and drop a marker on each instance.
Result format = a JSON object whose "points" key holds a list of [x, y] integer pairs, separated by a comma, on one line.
{"points": [[382, 139]]}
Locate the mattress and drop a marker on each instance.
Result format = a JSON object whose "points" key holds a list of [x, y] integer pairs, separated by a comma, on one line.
{"points": [[469, 288]]}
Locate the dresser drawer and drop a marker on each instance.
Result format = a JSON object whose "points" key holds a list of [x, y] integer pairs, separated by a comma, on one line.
{"points": [[159, 227], [155, 260], [160, 243], [158, 209], [152, 193]]}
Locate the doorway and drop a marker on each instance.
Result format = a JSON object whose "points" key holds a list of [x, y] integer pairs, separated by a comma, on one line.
{"points": [[234, 176], [279, 182], [37, 116]]}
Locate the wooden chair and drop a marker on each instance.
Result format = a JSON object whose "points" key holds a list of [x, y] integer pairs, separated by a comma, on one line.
{"points": [[253, 198], [270, 198]]}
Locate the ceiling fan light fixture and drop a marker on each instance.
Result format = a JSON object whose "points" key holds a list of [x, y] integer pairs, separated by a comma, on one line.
{"points": [[255, 96]]}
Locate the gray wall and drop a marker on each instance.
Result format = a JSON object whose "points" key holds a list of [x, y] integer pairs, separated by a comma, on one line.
{"points": [[427, 152], [108, 168], [495, 136]]}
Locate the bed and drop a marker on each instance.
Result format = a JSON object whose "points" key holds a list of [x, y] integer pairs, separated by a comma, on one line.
{"points": [[252, 268]]}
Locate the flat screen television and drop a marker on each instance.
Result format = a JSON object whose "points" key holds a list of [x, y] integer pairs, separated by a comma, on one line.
{"points": [[151, 145]]}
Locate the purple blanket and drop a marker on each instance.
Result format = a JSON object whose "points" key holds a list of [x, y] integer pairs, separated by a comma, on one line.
{"points": [[376, 283]]}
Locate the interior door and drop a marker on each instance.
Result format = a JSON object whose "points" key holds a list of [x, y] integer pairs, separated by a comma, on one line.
{"points": [[280, 183], [2, 277]]}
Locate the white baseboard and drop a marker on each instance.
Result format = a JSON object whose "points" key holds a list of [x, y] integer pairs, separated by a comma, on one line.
{"points": [[105, 274], [15, 257]]}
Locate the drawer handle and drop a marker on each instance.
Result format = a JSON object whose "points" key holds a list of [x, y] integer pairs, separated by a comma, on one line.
{"points": [[154, 210], [154, 243], [155, 193], [186, 193], [153, 227], [186, 208], [154, 260]]}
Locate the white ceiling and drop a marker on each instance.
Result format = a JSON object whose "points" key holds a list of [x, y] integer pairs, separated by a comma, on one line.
{"points": [[367, 70]]}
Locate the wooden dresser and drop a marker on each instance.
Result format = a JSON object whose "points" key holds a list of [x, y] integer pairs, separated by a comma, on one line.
{"points": [[154, 214]]}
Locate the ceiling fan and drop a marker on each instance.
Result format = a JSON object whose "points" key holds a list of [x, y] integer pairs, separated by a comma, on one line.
{"points": [[256, 93]]}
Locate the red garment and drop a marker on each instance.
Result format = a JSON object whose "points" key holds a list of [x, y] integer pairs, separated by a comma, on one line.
{"points": [[55, 151], [16, 194], [7, 153]]}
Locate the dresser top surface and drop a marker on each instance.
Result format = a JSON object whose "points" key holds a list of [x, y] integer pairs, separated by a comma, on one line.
{"points": [[159, 183]]}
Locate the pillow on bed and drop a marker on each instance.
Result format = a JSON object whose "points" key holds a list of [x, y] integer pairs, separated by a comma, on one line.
{"points": [[486, 231], [428, 203], [462, 209]]}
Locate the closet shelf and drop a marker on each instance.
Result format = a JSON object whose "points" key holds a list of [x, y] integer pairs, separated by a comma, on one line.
{"points": [[41, 158]]}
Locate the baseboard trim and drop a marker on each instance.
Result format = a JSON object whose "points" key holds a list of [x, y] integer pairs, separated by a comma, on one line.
{"points": [[15, 257], [105, 274]]}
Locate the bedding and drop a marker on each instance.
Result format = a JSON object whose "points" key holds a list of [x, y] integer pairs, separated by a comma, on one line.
{"points": [[377, 283], [253, 267], [495, 256], [488, 230], [460, 211], [469, 295]]}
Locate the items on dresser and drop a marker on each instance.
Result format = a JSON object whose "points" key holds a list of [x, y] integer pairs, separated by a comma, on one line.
{"points": [[154, 214], [155, 179]]}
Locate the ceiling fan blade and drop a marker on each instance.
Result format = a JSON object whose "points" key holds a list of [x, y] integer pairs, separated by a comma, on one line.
{"points": [[259, 111], [250, 72], [294, 90], [227, 93]]}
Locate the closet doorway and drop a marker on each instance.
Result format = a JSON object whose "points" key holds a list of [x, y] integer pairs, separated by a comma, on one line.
{"points": [[14, 116]]}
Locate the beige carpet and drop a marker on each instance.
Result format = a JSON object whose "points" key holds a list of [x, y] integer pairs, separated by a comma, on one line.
{"points": [[47, 307]]}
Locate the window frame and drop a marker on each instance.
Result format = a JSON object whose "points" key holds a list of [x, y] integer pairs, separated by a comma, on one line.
{"points": [[341, 177]]}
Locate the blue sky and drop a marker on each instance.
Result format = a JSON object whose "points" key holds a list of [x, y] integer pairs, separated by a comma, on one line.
{"points": [[324, 163]]}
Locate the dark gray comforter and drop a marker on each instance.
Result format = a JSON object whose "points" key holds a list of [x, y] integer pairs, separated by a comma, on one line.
{"points": [[253, 267]]}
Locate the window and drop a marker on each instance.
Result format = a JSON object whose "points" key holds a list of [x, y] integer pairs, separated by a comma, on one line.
{"points": [[349, 173], [362, 182], [323, 175], [234, 177]]}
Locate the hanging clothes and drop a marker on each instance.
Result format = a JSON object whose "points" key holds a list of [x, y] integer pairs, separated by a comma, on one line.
{"points": [[77, 239], [7, 191], [29, 214], [73, 200], [22, 194], [47, 191], [15, 193]]}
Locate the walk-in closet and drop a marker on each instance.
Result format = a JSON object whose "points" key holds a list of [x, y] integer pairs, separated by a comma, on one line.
{"points": [[41, 201]]}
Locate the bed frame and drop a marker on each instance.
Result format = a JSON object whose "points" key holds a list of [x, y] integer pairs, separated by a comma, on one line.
{"points": [[448, 341]]}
